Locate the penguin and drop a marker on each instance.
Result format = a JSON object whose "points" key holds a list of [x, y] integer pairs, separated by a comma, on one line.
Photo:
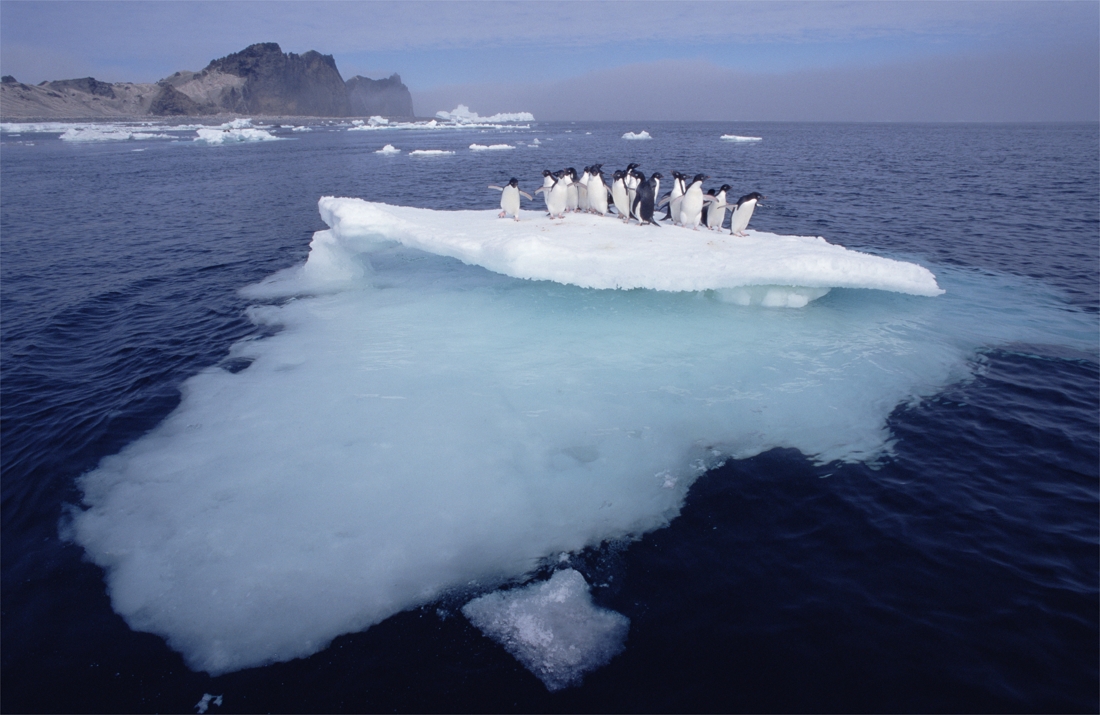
{"points": [[548, 182], [691, 204], [597, 191], [631, 182], [716, 215], [558, 196], [619, 196], [743, 212], [572, 197], [643, 199], [703, 215], [509, 198], [582, 189], [673, 198]]}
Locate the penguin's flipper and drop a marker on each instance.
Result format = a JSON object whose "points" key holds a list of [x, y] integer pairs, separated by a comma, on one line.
{"points": [[524, 193], [665, 200], [494, 186], [540, 189]]}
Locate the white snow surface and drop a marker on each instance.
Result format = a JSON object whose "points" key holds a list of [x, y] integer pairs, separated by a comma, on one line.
{"points": [[601, 252], [420, 428], [635, 137], [551, 627]]}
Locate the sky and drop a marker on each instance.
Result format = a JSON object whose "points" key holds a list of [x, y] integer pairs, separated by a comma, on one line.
{"points": [[760, 60]]}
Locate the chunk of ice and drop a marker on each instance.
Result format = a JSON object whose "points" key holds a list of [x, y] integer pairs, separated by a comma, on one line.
{"points": [[552, 627]]}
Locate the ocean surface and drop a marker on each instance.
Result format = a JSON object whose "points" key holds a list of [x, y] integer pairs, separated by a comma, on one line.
{"points": [[952, 565]]}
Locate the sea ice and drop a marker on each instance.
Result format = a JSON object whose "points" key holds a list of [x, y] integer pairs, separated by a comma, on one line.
{"points": [[552, 627], [598, 252], [736, 138], [491, 147], [430, 152], [419, 427], [388, 149], [639, 135], [238, 130], [462, 115], [108, 133]]}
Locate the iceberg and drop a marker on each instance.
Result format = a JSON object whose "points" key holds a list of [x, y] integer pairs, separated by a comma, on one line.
{"points": [[736, 138], [101, 134], [462, 115], [419, 428], [430, 152], [388, 149], [491, 147], [635, 137], [592, 251], [236, 131]]}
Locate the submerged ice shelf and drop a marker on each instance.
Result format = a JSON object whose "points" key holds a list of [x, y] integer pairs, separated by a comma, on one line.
{"points": [[601, 252]]}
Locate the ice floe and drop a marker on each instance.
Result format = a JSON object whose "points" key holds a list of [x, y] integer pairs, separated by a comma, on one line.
{"points": [[634, 137], [600, 252]]}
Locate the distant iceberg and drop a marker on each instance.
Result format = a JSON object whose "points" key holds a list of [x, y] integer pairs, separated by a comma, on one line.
{"points": [[599, 252], [491, 147], [736, 138], [430, 152], [388, 149], [238, 130], [640, 135], [462, 115], [108, 133]]}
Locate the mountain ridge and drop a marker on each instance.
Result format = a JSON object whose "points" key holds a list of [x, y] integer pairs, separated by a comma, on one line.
{"points": [[258, 80]]}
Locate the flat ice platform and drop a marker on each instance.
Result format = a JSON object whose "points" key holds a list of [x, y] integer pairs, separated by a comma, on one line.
{"points": [[602, 252]]}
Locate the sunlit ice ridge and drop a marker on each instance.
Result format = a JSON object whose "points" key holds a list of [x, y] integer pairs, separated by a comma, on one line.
{"points": [[444, 401]]}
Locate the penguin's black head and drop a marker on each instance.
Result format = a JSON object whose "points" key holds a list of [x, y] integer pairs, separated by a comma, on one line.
{"points": [[514, 182], [656, 175], [711, 192], [630, 167], [725, 187], [639, 176], [617, 175], [596, 168], [754, 196], [700, 178], [571, 172], [547, 172]]}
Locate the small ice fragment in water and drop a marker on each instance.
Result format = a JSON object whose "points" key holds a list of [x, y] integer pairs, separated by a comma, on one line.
{"points": [[206, 701], [552, 628]]}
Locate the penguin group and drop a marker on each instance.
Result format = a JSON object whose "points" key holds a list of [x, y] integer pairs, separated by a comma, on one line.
{"points": [[631, 196]]}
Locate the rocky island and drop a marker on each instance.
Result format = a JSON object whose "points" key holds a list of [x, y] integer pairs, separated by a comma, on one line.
{"points": [[259, 80]]}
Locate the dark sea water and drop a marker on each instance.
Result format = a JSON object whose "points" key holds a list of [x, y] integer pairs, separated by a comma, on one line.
{"points": [[960, 572]]}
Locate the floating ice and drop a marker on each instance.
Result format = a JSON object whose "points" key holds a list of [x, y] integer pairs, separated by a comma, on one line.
{"points": [[552, 627], [735, 138], [462, 115], [377, 121], [388, 149], [102, 134], [639, 135], [430, 152], [238, 130], [600, 252], [419, 424], [491, 147], [207, 700]]}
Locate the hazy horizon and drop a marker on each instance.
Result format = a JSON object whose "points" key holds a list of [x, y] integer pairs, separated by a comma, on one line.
{"points": [[644, 61]]}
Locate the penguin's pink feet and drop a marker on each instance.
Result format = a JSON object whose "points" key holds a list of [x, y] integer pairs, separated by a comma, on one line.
{"points": [[502, 214]]}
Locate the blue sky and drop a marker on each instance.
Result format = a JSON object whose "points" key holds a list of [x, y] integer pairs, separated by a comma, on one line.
{"points": [[566, 59]]}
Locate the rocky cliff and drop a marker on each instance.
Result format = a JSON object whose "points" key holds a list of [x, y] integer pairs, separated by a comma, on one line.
{"points": [[386, 97], [259, 80]]}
